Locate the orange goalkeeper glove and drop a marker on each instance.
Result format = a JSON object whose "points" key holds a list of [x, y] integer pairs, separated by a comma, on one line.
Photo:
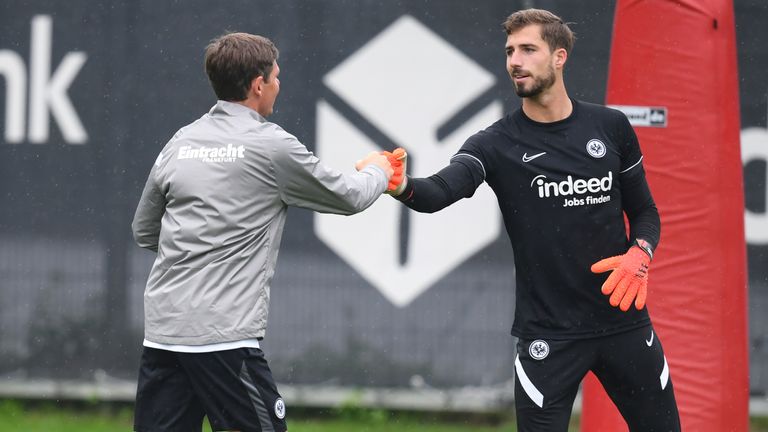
{"points": [[629, 278], [399, 179]]}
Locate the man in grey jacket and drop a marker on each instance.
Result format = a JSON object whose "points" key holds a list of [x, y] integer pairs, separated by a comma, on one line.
{"points": [[213, 209]]}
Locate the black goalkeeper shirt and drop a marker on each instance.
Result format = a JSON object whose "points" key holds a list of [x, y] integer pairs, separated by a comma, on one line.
{"points": [[563, 189]]}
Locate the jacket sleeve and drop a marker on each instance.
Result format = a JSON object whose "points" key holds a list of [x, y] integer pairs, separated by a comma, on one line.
{"points": [[304, 181], [149, 213]]}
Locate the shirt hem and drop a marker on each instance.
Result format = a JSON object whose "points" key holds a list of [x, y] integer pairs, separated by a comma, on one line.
{"points": [[196, 340], [590, 334], [215, 347]]}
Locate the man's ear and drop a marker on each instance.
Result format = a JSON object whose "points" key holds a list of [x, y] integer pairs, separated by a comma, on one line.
{"points": [[561, 56], [257, 85]]}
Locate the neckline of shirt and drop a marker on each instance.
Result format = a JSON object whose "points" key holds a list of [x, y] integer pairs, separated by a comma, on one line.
{"points": [[553, 124]]}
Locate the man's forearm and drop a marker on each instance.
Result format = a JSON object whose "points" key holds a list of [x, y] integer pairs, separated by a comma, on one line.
{"points": [[434, 193], [643, 216]]}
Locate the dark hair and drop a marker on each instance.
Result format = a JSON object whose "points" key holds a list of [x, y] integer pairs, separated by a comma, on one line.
{"points": [[233, 60], [554, 31]]}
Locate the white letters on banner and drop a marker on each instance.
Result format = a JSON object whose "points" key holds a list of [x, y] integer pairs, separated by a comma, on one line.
{"points": [[644, 116], [47, 92], [405, 82], [754, 147]]}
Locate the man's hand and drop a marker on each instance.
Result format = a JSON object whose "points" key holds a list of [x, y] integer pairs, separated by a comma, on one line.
{"points": [[378, 159], [629, 279], [399, 180]]}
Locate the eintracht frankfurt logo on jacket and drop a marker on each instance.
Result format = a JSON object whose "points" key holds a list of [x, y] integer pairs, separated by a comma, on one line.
{"points": [[228, 153], [406, 262]]}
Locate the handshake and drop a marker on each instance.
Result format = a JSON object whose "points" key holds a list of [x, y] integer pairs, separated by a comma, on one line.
{"points": [[393, 163]]}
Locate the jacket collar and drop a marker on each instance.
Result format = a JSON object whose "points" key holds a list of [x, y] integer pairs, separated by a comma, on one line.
{"points": [[235, 109]]}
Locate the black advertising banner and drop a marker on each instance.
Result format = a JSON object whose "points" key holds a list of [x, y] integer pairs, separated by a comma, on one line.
{"points": [[91, 92]]}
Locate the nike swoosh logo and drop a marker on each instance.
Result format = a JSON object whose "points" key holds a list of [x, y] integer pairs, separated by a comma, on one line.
{"points": [[649, 342], [527, 158]]}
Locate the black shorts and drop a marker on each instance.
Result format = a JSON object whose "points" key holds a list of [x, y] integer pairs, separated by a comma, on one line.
{"points": [[234, 388], [631, 367]]}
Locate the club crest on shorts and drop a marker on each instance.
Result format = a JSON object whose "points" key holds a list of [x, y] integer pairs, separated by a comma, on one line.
{"points": [[596, 148], [280, 408], [538, 349]]}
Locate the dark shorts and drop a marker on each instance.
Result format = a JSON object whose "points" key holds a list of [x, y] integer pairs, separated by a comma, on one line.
{"points": [[631, 367], [234, 388]]}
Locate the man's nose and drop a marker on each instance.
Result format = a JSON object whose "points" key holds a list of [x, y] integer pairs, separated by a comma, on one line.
{"points": [[513, 60]]}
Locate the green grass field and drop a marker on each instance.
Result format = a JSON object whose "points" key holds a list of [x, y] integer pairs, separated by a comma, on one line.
{"points": [[48, 417], [15, 417]]}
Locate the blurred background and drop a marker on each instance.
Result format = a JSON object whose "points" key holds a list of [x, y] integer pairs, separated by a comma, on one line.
{"points": [[93, 90]]}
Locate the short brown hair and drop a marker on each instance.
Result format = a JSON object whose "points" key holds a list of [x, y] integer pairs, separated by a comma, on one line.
{"points": [[554, 31], [233, 60]]}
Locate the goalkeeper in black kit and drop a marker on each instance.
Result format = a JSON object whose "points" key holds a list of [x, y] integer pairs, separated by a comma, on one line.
{"points": [[565, 173]]}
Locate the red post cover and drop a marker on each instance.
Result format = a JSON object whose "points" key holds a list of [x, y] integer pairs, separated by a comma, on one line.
{"points": [[679, 57]]}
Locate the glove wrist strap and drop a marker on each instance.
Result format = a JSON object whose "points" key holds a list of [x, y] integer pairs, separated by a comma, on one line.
{"points": [[644, 246], [407, 191]]}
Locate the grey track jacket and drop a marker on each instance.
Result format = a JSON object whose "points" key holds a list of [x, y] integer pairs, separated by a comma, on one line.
{"points": [[213, 209]]}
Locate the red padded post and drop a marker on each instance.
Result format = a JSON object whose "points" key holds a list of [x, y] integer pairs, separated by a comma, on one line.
{"points": [[681, 55]]}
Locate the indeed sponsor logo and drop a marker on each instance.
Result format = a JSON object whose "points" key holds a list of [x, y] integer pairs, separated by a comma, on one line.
{"points": [[226, 153], [570, 187]]}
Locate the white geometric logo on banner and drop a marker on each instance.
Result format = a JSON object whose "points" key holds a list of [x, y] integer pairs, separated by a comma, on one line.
{"points": [[406, 82]]}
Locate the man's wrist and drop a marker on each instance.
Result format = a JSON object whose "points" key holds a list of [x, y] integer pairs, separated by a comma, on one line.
{"points": [[645, 247], [401, 187], [406, 191], [377, 170]]}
